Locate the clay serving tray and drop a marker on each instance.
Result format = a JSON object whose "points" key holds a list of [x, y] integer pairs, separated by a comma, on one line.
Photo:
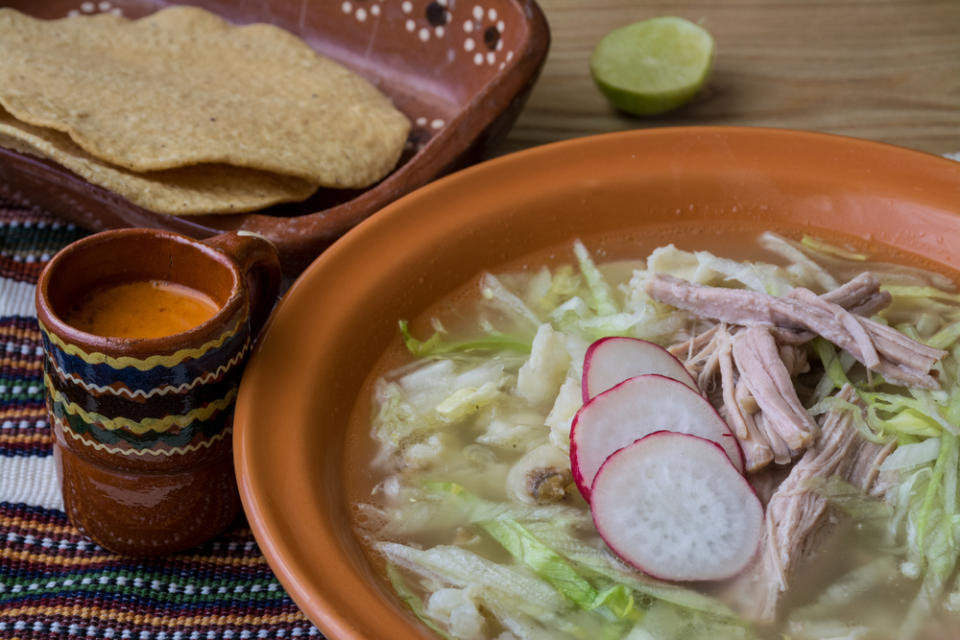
{"points": [[460, 71]]}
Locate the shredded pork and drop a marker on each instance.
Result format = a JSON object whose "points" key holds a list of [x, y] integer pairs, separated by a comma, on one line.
{"points": [[898, 358], [755, 351], [768, 380], [797, 518]]}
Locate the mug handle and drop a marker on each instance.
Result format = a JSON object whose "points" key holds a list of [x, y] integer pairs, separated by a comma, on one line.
{"points": [[258, 261]]}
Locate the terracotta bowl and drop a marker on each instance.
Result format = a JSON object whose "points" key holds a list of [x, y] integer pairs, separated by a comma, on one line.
{"points": [[622, 194], [460, 71]]}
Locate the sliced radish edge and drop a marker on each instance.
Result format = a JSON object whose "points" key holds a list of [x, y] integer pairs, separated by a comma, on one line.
{"points": [[638, 407], [611, 360], [673, 506]]}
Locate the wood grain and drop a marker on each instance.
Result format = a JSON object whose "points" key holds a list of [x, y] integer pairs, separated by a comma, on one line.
{"points": [[886, 70]]}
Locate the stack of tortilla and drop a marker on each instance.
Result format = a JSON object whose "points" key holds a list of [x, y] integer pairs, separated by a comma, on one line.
{"points": [[183, 113]]}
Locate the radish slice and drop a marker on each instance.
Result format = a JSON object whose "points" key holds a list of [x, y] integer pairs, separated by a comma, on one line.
{"points": [[635, 408], [610, 361], [674, 507]]}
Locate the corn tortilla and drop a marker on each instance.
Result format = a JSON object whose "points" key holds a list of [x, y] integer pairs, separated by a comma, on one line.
{"points": [[201, 189], [182, 87]]}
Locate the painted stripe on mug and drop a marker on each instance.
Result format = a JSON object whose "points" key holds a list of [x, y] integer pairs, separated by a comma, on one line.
{"points": [[140, 394], [156, 424], [134, 379], [122, 362], [99, 446], [156, 408], [177, 437]]}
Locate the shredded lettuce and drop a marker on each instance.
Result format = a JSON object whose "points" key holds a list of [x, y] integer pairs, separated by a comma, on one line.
{"points": [[836, 372], [833, 250], [436, 399], [547, 564], [556, 287], [466, 401], [809, 274], [908, 457], [593, 561], [704, 267], [396, 419], [902, 414], [603, 300], [581, 572], [921, 414], [926, 503], [516, 592], [451, 500], [494, 291], [540, 377], [936, 496], [922, 292], [415, 604], [544, 539], [945, 337], [568, 401], [435, 345]]}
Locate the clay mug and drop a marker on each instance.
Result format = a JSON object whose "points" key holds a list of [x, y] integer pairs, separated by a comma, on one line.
{"points": [[142, 426]]}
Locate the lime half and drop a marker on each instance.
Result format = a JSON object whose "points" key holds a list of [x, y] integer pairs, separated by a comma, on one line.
{"points": [[652, 66]]}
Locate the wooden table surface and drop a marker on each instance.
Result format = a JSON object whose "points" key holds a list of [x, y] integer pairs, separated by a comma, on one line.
{"points": [[886, 70]]}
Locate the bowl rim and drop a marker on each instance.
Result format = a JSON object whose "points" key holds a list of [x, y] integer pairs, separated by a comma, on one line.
{"points": [[376, 230]]}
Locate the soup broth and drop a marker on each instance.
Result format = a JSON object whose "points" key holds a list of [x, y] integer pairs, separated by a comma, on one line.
{"points": [[141, 309], [472, 507]]}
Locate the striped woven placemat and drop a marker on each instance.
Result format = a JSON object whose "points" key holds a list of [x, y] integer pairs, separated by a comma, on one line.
{"points": [[54, 583]]}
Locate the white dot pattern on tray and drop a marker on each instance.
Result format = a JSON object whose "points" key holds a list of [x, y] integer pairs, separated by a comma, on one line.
{"points": [[90, 8], [362, 10], [426, 20], [483, 37], [480, 33]]}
